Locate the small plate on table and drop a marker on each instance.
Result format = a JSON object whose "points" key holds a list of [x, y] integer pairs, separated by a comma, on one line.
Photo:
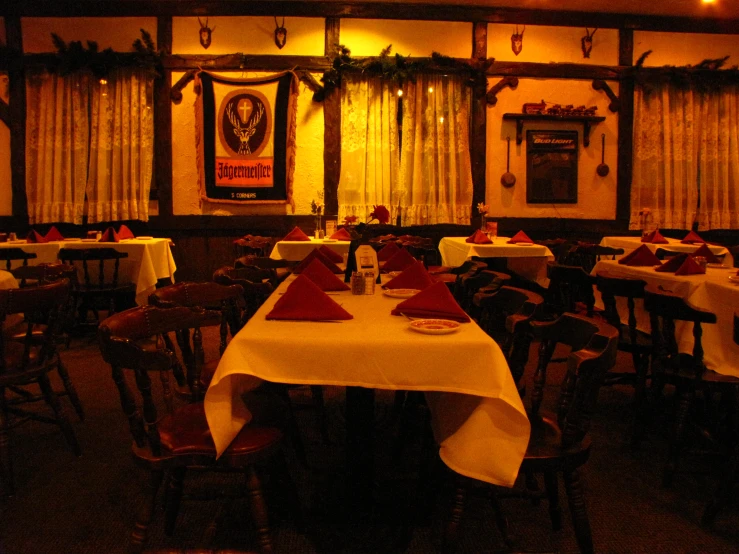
{"points": [[734, 279], [434, 326], [330, 240], [89, 240], [400, 293], [718, 266]]}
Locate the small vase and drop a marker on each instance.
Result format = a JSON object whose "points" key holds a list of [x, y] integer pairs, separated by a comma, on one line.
{"points": [[483, 223], [319, 227]]}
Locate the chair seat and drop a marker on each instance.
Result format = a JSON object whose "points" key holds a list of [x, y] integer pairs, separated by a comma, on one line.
{"points": [[186, 432], [684, 370], [15, 373], [445, 277], [545, 443]]}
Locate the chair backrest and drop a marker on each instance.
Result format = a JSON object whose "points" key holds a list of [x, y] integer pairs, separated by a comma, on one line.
{"points": [[253, 245], [43, 274], [9, 255], [255, 290], [120, 338], [611, 288], [569, 285], [103, 256], [558, 247], [586, 255], [593, 346]]}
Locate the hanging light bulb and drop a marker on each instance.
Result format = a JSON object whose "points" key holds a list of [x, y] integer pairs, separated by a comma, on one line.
{"points": [[431, 89], [441, 119], [400, 92]]}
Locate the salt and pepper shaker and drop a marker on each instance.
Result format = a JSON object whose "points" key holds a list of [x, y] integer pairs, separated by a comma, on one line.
{"points": [[357, 282], [701, 261], [369, 282]]}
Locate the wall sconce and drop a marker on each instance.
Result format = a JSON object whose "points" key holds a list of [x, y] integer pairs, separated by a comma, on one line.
{"points": [[587, 42], [280, 34], [205, 33], [517, 41]]}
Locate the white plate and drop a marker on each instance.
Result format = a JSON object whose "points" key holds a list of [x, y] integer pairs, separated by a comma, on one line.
{"points": [[72, 240], [434, 326], [17, 241], [718, 266], [734, 279], [89, 240], [145, 238], [400, 293]]}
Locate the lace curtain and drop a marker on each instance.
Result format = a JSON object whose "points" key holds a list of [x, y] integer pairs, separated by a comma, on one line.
{"points": [[435, 169], [57, 143], [121, 147], [369, 146]]}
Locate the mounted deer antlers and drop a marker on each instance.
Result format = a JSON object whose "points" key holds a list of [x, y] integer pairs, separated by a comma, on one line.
{"points": [[587, 42], [517, 41], [205, 33]]}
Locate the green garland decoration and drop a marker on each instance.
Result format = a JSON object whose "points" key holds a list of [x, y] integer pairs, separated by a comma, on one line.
{"points": [[74, 57], [706, 76]]}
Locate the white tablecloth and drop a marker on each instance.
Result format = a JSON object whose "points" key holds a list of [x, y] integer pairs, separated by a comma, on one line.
{"points": [[296, 250], [632, 243], [478, 416], [712, 291], [529, 261]]}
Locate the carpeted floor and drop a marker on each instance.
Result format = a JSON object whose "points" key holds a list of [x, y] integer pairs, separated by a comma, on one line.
{"points": [[87, 505]]}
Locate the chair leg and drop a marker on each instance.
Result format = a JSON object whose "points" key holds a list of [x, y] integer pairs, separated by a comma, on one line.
{"points": [[578, 510], [141, 528], [676, 444], [501, 521], [174, 496], [317, 394], [451, 531], [724, 490], [53, 400], [552, 488], [6, 466], [259, 510], [71, 391], [640, 400]]}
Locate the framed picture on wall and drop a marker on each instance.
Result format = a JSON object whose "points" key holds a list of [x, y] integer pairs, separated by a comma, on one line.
{"points": [[551, 167]]}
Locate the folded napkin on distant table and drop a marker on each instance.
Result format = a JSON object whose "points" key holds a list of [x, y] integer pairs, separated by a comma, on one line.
{"points": [[331, 254], [125, 233], [434, 302], [322, 276], [53, 234], [110, 236], [341, 234], [304, 300], [520, 237], [690, 267], [413, 277], [674, 263], [398, 261], [704, 251], [315, 253], [693, 238], [478, 237], [655, 237], [387, 252], [35, 236], [641, 256], [296, 234]]}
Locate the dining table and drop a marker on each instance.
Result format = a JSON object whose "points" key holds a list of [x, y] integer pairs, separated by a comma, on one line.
{"points": [[477, 415], [296, 250], [527, 259], [629, 244]]}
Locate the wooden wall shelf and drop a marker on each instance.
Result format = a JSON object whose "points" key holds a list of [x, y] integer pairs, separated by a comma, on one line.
{"points": [[586, 120]]}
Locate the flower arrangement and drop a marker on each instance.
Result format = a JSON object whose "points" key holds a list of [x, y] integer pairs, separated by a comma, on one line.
{"points": [[482, 209], [380, 213], [350, 220], [315, 208]]}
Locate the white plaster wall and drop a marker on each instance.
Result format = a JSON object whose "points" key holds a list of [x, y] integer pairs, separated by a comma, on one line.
{"points": [[545, 44], [684, 48], [6, 195], [251, 35], [308, 180], [596, 195], [368, 37], [117, 33]]}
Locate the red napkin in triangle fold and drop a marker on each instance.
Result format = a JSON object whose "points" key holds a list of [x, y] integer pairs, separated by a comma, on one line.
{"points": [[387, 252], [35, 236], [296, 234], [657, 238], [53, 234], [674, 263], [322, 276], [399, 261], [125, 233], [109, 236], [520, 237], [648, 237], [690, 267], [433, 302], [642, 256], [341, 234], [316, 254], [331, 254], [692, 238], [413, 277], [304, 300], [478, 237], [704, 251]]}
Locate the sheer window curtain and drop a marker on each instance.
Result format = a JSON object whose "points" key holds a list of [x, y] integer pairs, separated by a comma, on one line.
{"points": [[121, 147], [435, 168], [369, 146], [57, 144]]}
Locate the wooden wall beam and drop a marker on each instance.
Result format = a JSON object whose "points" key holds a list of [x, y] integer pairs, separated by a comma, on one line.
{"points": [[246, 62], [17, 121], [478, 123], [331, 129], [625, 130], [555, 70], [163, 123]]}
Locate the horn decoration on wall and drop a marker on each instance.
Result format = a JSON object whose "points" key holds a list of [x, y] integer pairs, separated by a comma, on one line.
{"points": [[280, 33], [517, 41], [586, 42], [205, 33]]}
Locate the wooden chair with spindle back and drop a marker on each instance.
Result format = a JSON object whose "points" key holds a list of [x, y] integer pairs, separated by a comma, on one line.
{"points": [[257, 284], [279, 269], [13, 254], [570, 290]]}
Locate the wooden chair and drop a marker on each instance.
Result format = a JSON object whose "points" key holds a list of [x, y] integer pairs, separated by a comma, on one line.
{"points": [[734, 250], [280, 269], [29, 362], [257, 284], [253, 245], [586, 255], [570, 290], [10, 255], [180, 439], [558, 247]]}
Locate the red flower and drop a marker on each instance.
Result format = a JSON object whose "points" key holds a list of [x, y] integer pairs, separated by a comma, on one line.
{"points": [[350, 219], [381, 214]]}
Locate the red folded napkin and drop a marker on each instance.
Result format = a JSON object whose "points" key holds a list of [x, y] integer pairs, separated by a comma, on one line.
{"points": [[690, 267], [53, 234], [478, 237], [413, 277], [674, 263], [331, 254], [35, 236], [433, 302], [655, 237], [304, 300], [316, 254], [398, 261], [387, 252], [692, 238], [125, 233], [520, 237], [341, 234], [109, 236], [704, 251], [640, 257], [322, 276], [296, 234]]}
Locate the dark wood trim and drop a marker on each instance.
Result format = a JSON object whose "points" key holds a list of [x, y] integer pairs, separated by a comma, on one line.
{"points": [[555, 70], [625, 129], [492, 95], [331, 130], [4, 112], [600, 84], [625, 47], [478, 121], [246, 62], [17, 120], [432, 12], [163, 123]]}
